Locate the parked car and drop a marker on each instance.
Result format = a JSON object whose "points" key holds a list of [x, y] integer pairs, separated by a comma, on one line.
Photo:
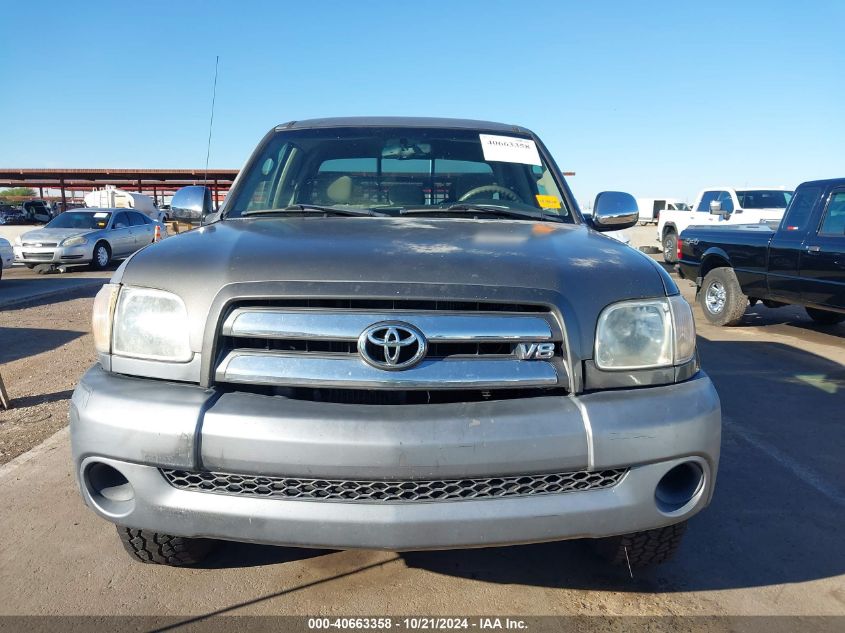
{"points": [[7, 255], [37, 211], [89, 236], [397, 333], [11, 215], [729, 206], [651, 208], [800, 261]]}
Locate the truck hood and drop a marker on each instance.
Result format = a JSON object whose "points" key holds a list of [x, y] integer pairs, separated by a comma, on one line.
{"points": [[582, 270]]}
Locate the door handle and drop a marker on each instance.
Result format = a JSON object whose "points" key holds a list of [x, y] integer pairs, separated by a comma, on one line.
{"points": [[813, 249]]}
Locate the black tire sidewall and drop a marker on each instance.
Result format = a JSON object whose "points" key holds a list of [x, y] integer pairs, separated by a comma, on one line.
{"points": [[95, 263], [670, 255], [735, 301]]}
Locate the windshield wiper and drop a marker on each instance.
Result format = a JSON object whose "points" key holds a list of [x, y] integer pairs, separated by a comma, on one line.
{"points": [[315, 209], [487, 209]]}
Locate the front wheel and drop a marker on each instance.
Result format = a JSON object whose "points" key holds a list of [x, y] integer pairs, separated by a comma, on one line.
{"points": [[156, 548], [670, 248], [102, 256], [825, 317], [721, 298], [642, 549]]}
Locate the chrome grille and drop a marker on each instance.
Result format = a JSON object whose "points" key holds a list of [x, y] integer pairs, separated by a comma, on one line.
{"points": [[41, 244], [314, 344], [392, 491]]}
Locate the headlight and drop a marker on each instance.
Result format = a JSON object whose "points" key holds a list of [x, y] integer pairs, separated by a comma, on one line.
{"points": [[18, 241], [645, 334], [76, 240], [146, 323]]}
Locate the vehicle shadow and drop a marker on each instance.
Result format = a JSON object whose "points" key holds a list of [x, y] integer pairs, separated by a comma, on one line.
{"points": [[231, 555], [31, 401], [20, 342], [19, 293], [788, 317]]}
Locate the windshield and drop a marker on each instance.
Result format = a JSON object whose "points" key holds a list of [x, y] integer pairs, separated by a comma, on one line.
{"points": [[395, 169], [80, 220], [764, 199]]}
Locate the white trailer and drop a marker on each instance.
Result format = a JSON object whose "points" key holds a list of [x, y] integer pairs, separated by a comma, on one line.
{"points": [[650, 208], [112, 198]]}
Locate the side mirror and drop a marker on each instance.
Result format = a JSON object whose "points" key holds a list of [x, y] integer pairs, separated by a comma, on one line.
{"points": [[614, 211], [716, 208], [191, 204]]}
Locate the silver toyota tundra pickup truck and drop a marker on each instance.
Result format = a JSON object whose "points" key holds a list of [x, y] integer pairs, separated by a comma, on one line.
{"points": [[401, 334]]}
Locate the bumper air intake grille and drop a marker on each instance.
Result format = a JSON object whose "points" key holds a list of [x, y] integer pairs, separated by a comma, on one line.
{"points": [[391, 491]]}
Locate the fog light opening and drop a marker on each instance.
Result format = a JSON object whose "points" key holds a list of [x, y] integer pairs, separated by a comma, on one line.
{"points": [[678, 487], [109, 489]]}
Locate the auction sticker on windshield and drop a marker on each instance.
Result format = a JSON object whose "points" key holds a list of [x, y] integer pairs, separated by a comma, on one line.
{"points": [[509, 149], [548, 202]]}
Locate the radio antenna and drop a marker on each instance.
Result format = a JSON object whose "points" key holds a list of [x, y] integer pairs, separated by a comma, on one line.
{"points": [[211, 122]]}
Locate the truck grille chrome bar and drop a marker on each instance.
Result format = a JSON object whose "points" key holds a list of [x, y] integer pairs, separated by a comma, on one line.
{"points": [[407, 491], [261, 368], [347, 326]]}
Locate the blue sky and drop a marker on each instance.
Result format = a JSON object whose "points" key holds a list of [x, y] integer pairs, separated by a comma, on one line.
{"points": [[652, 98]]}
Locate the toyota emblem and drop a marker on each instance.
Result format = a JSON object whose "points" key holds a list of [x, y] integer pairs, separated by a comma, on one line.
{"points": [[392, 345]]}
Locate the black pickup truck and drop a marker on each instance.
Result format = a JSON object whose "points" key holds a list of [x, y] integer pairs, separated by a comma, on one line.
{"points": [[801, 261]]}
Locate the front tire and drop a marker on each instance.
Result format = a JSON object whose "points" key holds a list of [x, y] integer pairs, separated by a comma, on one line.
{"points": [[721, 298], [102, 256], [670, 247], [825, 317], [156, 548], [642, 549]]}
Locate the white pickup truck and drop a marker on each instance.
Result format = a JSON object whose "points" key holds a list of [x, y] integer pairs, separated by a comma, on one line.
{"points": [[720, 205]]}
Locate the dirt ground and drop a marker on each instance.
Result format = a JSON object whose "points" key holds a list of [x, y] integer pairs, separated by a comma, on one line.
{"points": [[44, 349]]}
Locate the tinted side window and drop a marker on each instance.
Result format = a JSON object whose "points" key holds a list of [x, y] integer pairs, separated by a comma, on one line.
{"points": [[121, 221], [834, 217], [726, 201], [706, 199], [799, 210], [136, 219]]}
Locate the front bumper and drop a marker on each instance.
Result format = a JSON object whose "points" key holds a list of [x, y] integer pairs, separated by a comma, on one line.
{"points": [[54, 255], [138, 426]]}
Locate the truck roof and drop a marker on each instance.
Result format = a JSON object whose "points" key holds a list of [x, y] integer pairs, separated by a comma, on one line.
{"points": [[825, 182], [401, 121], [746, 188]]}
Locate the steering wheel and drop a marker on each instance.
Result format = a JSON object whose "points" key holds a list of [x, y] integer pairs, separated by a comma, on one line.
{"points": [[502, 191]]}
